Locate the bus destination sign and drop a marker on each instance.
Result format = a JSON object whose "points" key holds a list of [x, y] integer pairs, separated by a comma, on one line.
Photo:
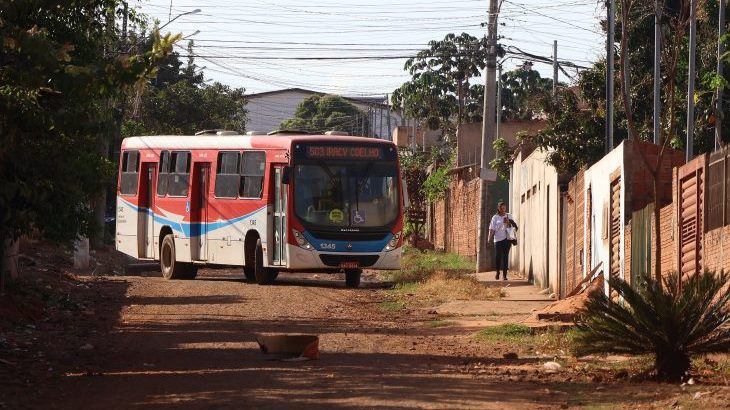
{"points": [[343, 152]]}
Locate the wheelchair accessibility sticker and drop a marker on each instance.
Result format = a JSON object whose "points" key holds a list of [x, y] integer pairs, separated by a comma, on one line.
{"points": [[358, 217]]}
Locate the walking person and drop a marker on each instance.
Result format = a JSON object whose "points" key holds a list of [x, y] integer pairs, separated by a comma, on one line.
{"points": [[501, 231]]}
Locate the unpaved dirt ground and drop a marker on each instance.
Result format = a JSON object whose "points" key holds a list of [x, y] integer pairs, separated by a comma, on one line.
{"points": [[141, 341]]}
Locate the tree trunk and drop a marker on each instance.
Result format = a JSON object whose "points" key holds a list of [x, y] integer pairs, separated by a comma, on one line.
{"points": [[9, 249]]}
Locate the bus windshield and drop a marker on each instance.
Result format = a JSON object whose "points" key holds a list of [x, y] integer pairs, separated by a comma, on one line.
{"points": [[353, 194]]}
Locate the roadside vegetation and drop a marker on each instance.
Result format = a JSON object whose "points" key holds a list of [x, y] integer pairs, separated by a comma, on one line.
{"points": [[428, 278], [672, 320]]}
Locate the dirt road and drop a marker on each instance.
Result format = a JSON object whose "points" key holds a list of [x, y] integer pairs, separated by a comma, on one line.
{"points": [[154, 343]]}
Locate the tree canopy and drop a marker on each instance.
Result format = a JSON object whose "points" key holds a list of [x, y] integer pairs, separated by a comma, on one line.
{"points": [[178, 101], [60, 70], [439, 90], [321, 113]]}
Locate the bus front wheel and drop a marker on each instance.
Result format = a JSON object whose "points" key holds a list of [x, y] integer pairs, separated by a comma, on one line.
{"points": [[264, 275], [170, 267], [352, 277]]}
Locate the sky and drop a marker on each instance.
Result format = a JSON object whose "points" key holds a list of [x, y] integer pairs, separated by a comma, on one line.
{"points": [[359, 47]]}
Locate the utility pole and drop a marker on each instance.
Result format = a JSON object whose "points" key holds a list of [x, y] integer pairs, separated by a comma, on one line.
{"points": [[390, 132], [555, 68], [720, 51], [499, 100], [657, 71], [611, 8], [691, 79], [488, 129], [380, 110]]}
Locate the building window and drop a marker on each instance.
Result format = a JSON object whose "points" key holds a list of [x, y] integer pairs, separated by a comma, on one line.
{"points": [[252, 174], [227, 178], [179, 177], [163, 173], [130, 173]]}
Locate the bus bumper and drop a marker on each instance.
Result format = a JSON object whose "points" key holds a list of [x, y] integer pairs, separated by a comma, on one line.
{"points": [[306, 260]]}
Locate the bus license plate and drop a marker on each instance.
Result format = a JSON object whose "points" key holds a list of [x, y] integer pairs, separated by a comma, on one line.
{"points": [[349, 265]]}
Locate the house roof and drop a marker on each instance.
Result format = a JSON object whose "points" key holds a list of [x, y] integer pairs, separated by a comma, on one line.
{"points": [[361, 100]]}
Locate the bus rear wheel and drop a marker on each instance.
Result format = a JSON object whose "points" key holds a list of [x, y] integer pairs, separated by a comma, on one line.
{"points": [[352, 277], [264, 275], [170, 267]]}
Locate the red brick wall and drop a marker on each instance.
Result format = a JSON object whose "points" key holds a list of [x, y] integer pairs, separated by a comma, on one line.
{"points": [[669, 248], [456, 218], [642, 182], [627, 252], [574, 232], [716, 250]]}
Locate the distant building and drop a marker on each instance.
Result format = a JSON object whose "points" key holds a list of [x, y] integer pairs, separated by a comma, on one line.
{"points": [[267, 110]]}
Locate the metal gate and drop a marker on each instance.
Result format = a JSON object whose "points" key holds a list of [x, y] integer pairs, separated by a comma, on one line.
{"points": [[641, 222], [690, 215]]}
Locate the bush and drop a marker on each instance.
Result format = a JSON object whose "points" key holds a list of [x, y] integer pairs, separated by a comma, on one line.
{"points": [[672, 322]]}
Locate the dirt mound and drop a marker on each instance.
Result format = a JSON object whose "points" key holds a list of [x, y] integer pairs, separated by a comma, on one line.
{"points": [[566, 309]]}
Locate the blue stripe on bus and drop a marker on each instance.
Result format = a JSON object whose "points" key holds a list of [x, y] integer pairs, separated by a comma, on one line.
{"points": [[186, 228], [329, 245]]}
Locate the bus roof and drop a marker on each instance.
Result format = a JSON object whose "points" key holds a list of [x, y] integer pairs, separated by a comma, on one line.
{"points": [[236, 141]]}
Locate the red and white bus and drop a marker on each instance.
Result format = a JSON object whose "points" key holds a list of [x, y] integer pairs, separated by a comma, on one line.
{"points": [[268, 203]]}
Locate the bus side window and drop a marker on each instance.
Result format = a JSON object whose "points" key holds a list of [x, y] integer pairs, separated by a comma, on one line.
{"points": [[178, 179], [227, 178], [130, 173], [252, 174], [163, 174]]}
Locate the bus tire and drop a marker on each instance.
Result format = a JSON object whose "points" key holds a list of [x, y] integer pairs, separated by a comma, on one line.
{"points": [[264, 276], [249, 273], [352, 277], [170, 267]]}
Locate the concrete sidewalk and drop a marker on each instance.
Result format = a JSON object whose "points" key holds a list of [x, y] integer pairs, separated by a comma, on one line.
{"points": [[520, 299]]}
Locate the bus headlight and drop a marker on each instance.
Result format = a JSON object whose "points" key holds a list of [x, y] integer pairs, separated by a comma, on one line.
{"points": [[393, 243], [300, 240]]}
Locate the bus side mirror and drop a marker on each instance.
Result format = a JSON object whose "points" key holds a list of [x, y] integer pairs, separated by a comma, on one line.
{"points": [[285, 175]]}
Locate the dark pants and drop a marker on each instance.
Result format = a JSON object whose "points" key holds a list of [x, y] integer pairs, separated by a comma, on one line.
{"points": [[501, 251]]}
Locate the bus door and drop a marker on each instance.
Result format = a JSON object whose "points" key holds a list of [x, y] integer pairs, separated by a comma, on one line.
{"points": [[199, 211], [146, 216], [280, 203]]}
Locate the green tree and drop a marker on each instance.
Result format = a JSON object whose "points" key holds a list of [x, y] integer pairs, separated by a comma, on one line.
{"points": [[318, 114], [58, 74], [178, 101], [523, 91], [440, 81], [184, 108]]}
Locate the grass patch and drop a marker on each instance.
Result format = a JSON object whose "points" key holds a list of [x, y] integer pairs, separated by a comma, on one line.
{"points": [[508, 332], [438, 323], [447, 286], [418, 266], [550, 341], [392, 306], [430, 278]]}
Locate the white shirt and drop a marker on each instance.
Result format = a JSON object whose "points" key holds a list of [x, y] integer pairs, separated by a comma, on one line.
{"points": [[497, 225]]}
